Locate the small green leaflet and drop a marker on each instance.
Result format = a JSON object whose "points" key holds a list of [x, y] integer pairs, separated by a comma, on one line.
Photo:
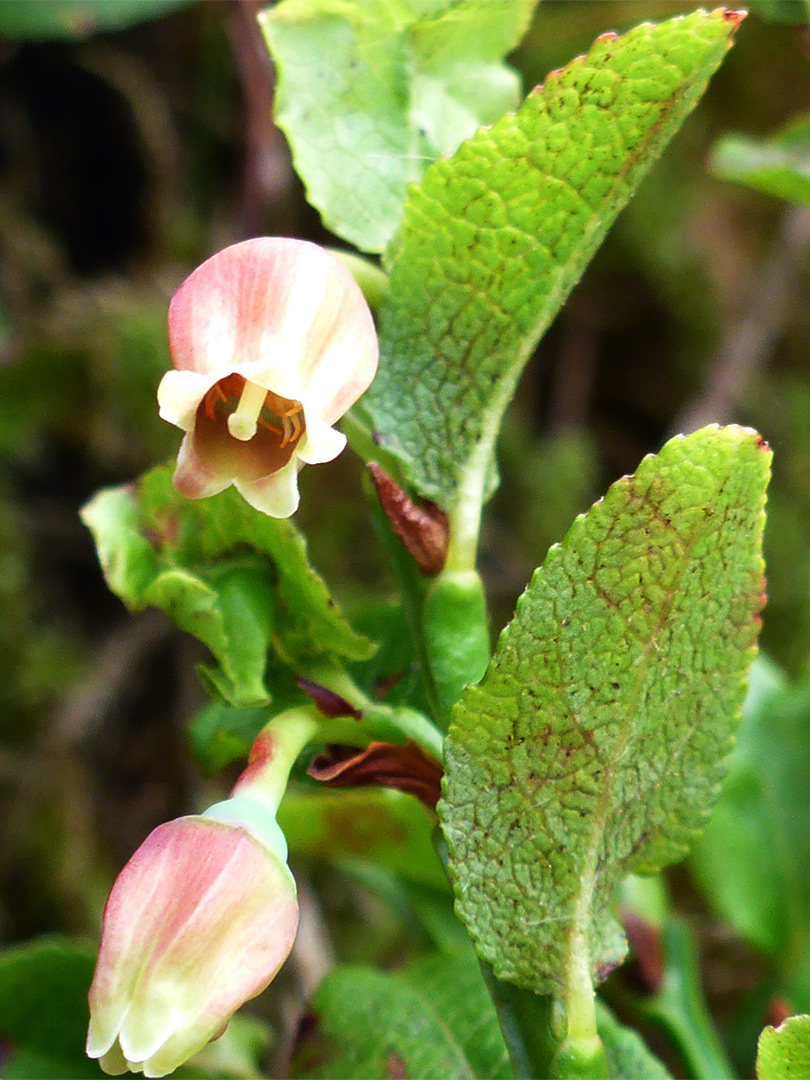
{"points": [[596, 743], [231, 576], [494, 239], [778, 166], [784, 1052], [399, 84]]}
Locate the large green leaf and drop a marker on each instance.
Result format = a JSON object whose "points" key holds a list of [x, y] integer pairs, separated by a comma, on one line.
{"points": [[43, 1009], [235, 578], [397, 84], [494, 239], [753, 861], [777, 166], [784, 1052], [434, 1021], [595, 744]]}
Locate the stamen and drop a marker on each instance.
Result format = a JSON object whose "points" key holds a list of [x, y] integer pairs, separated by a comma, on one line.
{"points": [[210, 402], [243, 421]]}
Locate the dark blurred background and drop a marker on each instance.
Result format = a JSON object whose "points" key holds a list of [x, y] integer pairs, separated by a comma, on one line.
{"points": [[129, 156]]}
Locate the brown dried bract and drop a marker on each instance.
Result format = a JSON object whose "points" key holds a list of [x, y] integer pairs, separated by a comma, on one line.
{"points": [[422, 529], [328, 702], [406, 768], [645, 941]]}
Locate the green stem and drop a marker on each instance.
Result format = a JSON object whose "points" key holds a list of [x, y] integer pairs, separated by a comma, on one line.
{"points": [[274, 753], [679, 1006], [526, 1021], [377, 722], [455, 625], [256, 796]]}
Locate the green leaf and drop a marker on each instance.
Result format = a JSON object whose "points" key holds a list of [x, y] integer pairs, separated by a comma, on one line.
{"points": [[595, 744], [784, 1052], [627, 1054], [435, 1020], [396, 84], [777, 166], [385, 827], [43, 1008], [231, 576], [789, 11], [753, 861], [494, 239], [70, 19]]}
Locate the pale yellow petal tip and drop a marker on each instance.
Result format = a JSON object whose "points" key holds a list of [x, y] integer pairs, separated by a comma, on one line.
{"points": [[113, 1062], [321, 443], [275, 495], [179, 395]]}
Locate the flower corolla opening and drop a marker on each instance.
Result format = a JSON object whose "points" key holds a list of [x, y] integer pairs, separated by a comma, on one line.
{"points": [[198, 922], [272, 342]]}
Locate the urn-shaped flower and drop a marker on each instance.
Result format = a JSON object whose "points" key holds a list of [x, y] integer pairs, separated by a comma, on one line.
{"points": [[272, 342], [198, 922]]}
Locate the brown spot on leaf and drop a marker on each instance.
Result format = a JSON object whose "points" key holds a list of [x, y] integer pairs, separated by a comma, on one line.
{"points": [[405, 768], [422, 529], [396, 1068]]}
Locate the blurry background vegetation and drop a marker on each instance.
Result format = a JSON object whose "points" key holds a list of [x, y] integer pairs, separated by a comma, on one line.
{"points": [[132, 151]]}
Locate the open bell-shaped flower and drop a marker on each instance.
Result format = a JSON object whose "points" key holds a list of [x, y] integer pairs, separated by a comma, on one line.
{"points": [[198, 922], [272, 342]]}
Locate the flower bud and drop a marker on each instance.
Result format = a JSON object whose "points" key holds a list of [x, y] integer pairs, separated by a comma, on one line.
{"points": [[272, 342], [199, 921]]}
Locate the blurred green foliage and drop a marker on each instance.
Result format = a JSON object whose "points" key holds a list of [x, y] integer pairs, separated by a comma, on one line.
{"points": [[125, 159]]}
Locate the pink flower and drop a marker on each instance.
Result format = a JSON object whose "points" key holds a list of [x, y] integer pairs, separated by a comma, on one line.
{"points": [[199, 921], [272, 342]]}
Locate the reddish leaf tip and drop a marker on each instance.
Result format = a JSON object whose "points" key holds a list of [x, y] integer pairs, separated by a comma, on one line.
{"points": [[734, 17]]}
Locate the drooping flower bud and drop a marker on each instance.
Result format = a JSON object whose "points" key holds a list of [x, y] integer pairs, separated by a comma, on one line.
{"points": [[272, 342], [198, 922], [200, 919]]}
